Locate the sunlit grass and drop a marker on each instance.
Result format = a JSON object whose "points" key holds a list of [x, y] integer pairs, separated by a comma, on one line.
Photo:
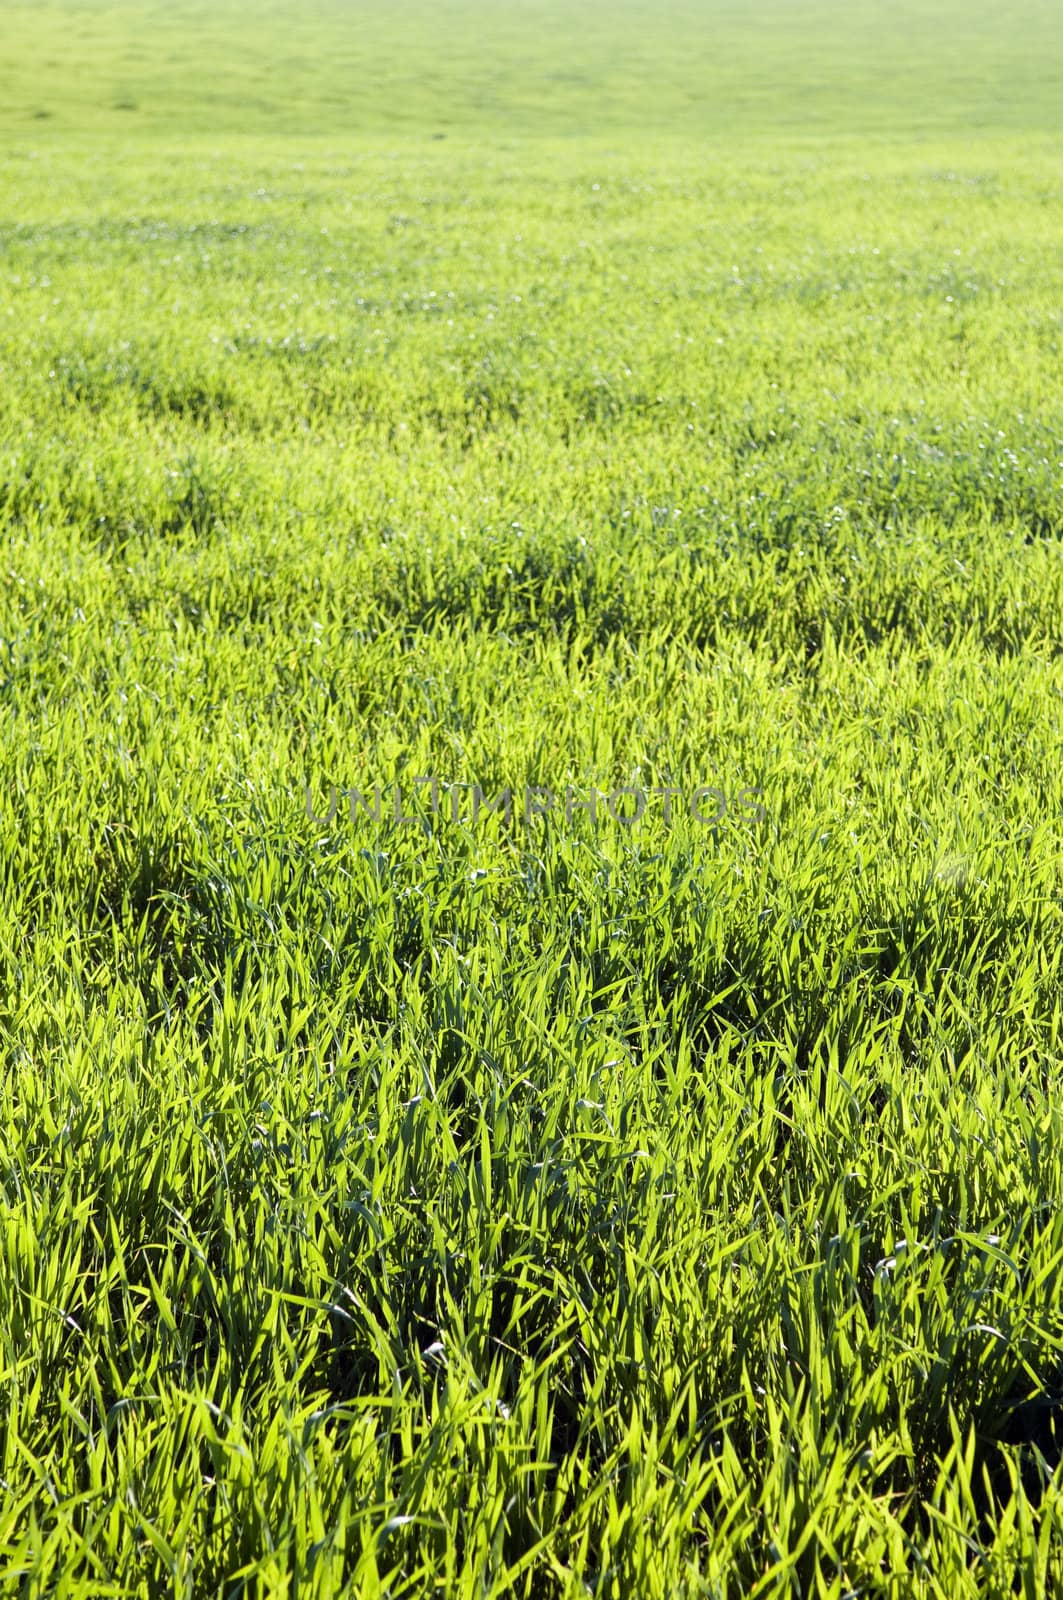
{"points": [[543, 1206]]}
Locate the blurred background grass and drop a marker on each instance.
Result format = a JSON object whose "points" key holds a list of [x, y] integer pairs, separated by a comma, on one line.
{"points": [[802, 68]]}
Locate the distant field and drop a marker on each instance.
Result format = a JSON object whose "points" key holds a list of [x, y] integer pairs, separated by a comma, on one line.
{"points": [[324, 68], [541, 1204]]}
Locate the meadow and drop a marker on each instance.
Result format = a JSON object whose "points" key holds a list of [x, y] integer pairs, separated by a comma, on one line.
{"points": [[540, 1205]]}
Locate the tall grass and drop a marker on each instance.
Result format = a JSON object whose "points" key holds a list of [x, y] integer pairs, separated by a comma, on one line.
{"points": [[539, 1206]]}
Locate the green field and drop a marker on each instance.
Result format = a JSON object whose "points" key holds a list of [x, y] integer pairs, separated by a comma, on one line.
{"points": [[561, 1203]]}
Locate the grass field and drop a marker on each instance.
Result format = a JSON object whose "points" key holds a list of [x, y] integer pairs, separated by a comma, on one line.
{"points": [[572, 398]]}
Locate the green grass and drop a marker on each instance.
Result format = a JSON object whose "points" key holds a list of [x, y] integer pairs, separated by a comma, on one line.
{"points": [[551, 1207], [330, 68]]}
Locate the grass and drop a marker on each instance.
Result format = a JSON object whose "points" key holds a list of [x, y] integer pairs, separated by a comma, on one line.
{"points": [[329, 69], [549, 1206]]}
